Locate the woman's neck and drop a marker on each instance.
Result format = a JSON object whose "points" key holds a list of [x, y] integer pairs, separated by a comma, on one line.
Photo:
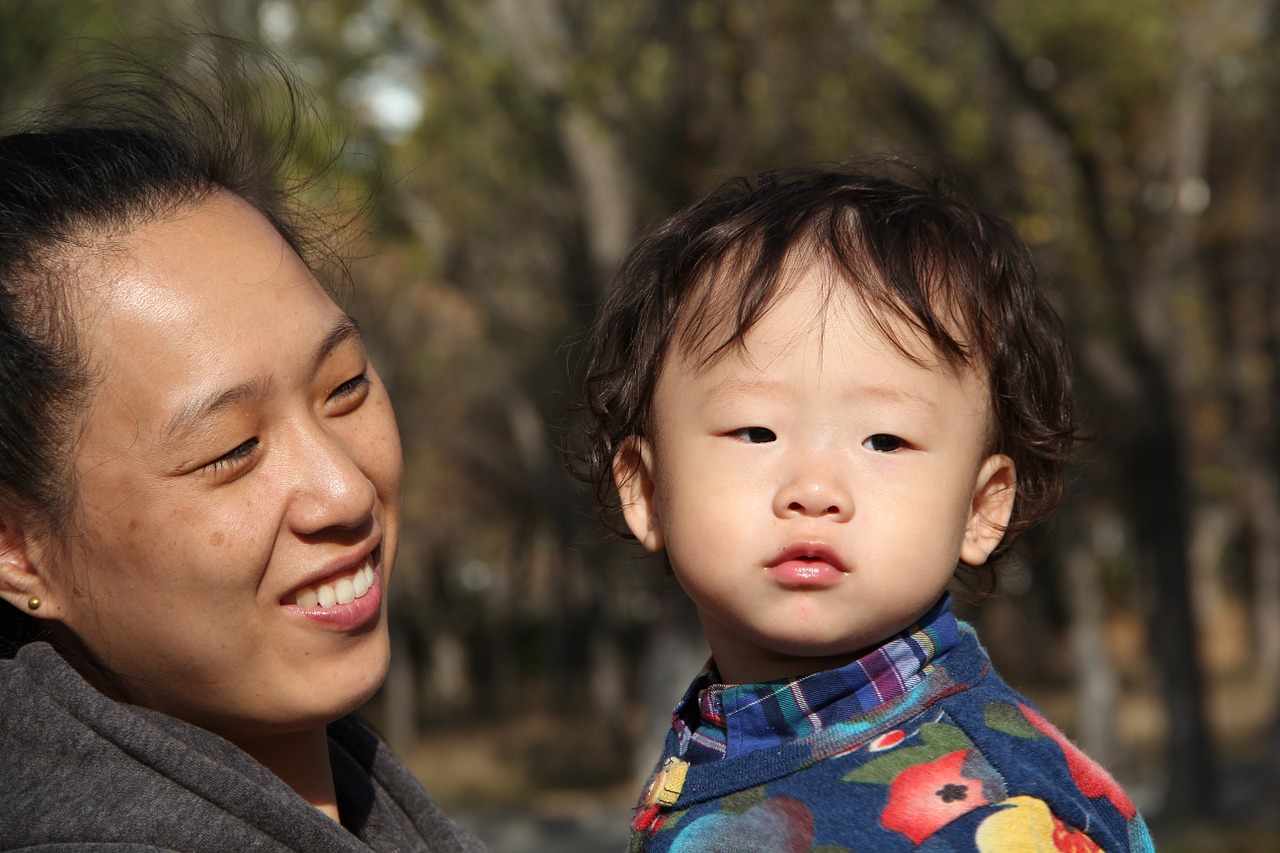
{"points": [[301, 759]]}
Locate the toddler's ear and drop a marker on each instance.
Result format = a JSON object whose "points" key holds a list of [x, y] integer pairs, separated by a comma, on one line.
{"points": [[634, 477], [991, 509]]}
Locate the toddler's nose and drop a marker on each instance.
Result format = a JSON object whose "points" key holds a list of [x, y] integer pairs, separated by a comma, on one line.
{"points": [[816, 494]]}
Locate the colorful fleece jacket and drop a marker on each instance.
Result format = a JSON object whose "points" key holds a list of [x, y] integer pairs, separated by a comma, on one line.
{"points": [[918, 746]]}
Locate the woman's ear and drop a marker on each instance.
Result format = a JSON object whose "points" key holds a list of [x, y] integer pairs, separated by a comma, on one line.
{"points": [[633, 474], [21, 584], [991, 509]]}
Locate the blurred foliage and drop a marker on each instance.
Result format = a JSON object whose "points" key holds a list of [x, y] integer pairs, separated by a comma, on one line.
{"points": [[515, 147]]}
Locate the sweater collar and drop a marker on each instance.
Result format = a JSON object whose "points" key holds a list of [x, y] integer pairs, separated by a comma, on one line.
{"points": [[717, 721]]}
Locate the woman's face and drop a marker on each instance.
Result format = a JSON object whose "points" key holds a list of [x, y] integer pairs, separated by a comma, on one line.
{"points": [[238, 462]]}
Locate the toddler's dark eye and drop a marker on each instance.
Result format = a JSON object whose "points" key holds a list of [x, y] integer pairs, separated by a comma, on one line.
{"points": [[884, 443], [755, 435]]}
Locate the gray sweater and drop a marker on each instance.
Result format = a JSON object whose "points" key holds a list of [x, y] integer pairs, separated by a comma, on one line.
{"points": [[81, 772]]}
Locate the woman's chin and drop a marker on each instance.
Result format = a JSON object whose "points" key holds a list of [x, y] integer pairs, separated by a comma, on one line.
{"points": [[316, 695], [360, 678]]}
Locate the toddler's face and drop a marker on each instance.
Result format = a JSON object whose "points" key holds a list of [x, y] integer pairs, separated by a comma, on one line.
{"points": [[815, 488]]}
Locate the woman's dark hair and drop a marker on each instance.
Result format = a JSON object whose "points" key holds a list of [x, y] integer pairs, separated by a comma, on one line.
{"points": [[913, 249], [125, 145]]}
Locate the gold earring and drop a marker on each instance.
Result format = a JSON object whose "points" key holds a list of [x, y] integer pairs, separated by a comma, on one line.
{"points": [[34, 602]]}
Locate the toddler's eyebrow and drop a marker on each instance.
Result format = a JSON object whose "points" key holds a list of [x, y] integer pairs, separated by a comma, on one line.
{"points": [[730, 385], [898, 396], [886, 394]]}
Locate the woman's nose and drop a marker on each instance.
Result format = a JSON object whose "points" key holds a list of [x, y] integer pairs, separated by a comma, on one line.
{"points": [[333, 491], [817, 491]]}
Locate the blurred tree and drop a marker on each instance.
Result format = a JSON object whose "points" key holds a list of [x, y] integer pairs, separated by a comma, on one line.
{"points": [[517, 146], [1143, 259]]}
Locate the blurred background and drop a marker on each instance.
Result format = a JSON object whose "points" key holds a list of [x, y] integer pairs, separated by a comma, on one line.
{"points": [[515, 148]]}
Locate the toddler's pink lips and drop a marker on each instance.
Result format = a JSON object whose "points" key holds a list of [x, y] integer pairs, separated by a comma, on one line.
{"points": [[806, 565]]}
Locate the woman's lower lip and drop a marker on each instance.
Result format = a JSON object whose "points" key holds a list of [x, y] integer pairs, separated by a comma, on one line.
{"points": [[346, 617], [805, 573]]}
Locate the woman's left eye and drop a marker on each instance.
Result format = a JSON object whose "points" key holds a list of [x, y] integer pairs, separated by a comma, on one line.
{"points": [[884, 443], [353, 387]]}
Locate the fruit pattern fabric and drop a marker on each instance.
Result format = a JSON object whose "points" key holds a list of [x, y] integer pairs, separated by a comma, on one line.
{"points": [[958, 762]]}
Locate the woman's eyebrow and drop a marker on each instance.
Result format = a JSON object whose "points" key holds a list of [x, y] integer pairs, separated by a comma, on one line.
{"points": [[344, 330], [201, 408]]}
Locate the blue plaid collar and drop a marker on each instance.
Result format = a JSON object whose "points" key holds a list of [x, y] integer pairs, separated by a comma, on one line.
{"points": [[717, 721]]}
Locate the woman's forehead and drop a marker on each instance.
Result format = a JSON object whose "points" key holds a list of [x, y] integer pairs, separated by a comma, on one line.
{"points": [[213, 252], [213, 293]]}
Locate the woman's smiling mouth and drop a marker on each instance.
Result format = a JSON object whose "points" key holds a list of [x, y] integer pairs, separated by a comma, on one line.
{"points": [[346, 600], [343, 589]]}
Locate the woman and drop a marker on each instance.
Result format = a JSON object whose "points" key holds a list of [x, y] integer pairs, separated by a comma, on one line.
{"points": [[199, 501]]}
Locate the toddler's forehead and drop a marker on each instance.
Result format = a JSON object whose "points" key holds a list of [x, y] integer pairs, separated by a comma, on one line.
{"points": [[815, 341], [714, 329]]}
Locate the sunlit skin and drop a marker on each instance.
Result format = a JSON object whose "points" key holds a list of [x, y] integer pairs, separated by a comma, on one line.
{"points": [[815, 488], [238, 445]]}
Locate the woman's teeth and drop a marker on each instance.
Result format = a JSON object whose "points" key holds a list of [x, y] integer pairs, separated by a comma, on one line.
{"points": [[342, 591]]}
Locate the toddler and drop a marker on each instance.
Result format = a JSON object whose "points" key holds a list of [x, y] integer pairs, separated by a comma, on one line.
{"points": [[823, 393]]}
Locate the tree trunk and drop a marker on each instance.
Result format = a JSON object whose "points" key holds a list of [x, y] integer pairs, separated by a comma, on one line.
{"points": [[1097, 685], [1158, 509]]}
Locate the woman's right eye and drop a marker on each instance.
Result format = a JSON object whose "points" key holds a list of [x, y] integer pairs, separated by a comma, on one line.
{"points": [[755, 435]]}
